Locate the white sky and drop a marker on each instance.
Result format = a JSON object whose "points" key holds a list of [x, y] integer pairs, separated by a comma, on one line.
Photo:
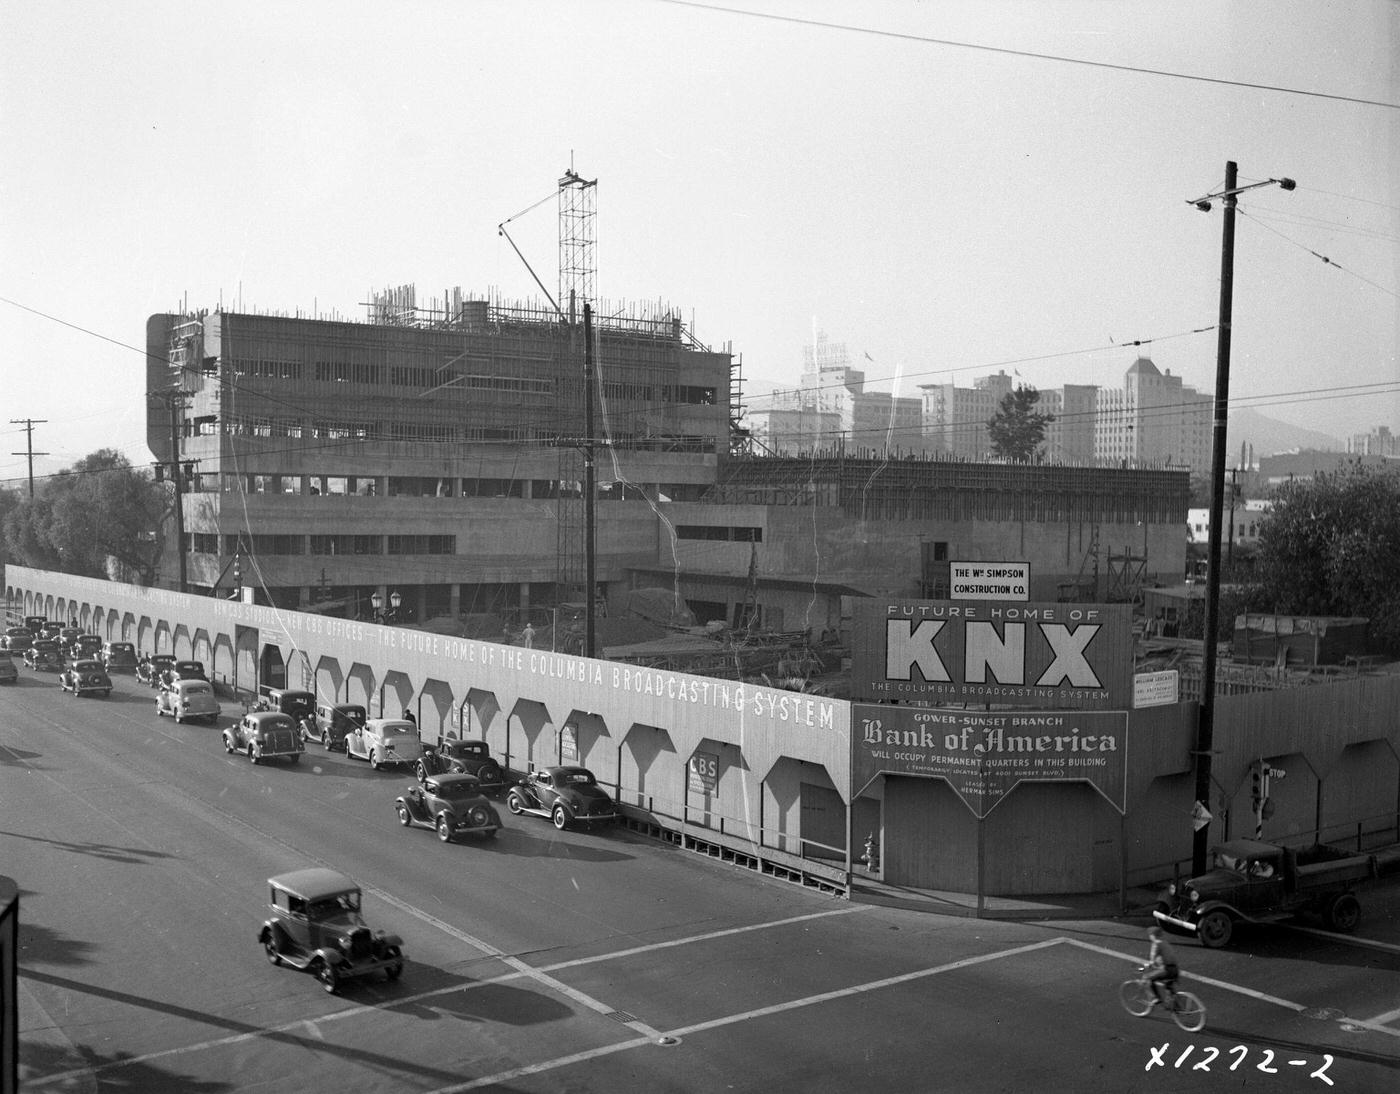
{"points": [[934, 206]]}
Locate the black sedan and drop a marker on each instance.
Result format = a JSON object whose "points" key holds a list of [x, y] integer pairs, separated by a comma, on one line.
{"points": [[566, 795], [450, 803]]}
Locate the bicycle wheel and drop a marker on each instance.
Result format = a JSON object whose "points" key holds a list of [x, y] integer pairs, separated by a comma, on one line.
{"points": [[1136, 997], [1188, 1012]]}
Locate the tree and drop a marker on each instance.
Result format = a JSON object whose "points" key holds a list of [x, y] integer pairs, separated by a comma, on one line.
{"points": [[1330, 545], [1018, 428], [99, 518]]}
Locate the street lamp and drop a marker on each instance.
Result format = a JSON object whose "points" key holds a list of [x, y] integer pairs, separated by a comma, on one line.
{"points": [[1206, 728], [376, 601]]}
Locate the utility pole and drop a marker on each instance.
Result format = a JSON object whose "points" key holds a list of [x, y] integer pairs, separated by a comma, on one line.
{"points": [[590, 520], [29, 424], [1205, 735]]}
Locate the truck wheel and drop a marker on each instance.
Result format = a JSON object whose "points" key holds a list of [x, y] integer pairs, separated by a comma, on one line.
{"points": [[1215, 929], [1342, 913]]}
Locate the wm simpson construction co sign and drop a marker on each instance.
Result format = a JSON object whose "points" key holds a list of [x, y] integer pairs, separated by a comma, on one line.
{"points": [[937, 652]]}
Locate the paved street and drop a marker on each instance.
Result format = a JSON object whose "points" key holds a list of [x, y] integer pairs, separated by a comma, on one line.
{"points": [[580, 961]]}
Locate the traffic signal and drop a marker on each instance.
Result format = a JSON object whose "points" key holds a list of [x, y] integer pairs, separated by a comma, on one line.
{"points": [[1256, 780]]}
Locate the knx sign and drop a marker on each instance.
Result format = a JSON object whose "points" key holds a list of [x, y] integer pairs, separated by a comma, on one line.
{"points": [[1023, 654]]}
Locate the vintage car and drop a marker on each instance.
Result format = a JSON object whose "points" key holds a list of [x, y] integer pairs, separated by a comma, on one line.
{"points": [[316, 926], [44, 656], [472, 757], [17, 639], [35, 624], [264, 735], [295, 703], [118, 657], [182, 670], [566, 795], [67, 636], [9, 671], [384, 742], [86, 677], [148, 669], [86, 647], [188, 699], [48, 629], [450, 803], [331, 722]]}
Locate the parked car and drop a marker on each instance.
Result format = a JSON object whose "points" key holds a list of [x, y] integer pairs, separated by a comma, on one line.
{"points": [[188, 699], [44, 656], [384, 741], [49, 629], [316, 925], [566, 795], [86, 647], [331, 722], [9, 671], [182, 670], [35, 624], [450, 803], [17, 639], [264, 735], [295, 703], [149, 668], [86, 677], [471, 757], [119, 657]]}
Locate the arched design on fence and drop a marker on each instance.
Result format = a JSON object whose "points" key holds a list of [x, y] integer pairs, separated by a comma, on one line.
{"points": [[648, 775]]}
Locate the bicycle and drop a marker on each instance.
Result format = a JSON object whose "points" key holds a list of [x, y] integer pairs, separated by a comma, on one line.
{"points": [[1138, 999]]}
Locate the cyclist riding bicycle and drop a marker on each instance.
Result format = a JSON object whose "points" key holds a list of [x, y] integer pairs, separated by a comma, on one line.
{"points": [[1165, 968]]}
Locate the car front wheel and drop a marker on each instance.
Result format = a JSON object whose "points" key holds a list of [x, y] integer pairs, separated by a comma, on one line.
{"points": [[228, 744], [373, 759], [560, 816], [394, 971], [514, 803], [422, 771], [252, 754], [330, 979], [270, 948], [326, 739], [403, 815], [444, 829]]}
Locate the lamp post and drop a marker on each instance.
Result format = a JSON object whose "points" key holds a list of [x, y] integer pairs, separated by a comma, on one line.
{"points": [[1206, 727], [376, 601]]}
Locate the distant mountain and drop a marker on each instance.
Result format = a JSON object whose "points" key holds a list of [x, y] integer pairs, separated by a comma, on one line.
{"points": [[1269, 436]]}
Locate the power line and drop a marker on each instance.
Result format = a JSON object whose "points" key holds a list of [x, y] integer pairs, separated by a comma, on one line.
{"points": [[927, 40]]}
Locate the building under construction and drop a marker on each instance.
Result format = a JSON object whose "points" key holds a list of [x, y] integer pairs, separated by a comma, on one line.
{"points": [[438, 452]]}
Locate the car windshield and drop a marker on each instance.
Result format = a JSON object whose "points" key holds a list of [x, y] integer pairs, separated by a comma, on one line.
{"points": [[459, 789], [338, 904]]}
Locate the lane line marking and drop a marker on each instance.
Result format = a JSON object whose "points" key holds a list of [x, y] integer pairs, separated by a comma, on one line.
{"points": [[1347, 939], [311, 1024], [761, 1012], [1238, 989]]}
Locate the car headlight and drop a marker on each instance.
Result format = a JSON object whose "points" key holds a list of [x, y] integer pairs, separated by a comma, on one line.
{"points": [[1171, 889], [1192, 895]]}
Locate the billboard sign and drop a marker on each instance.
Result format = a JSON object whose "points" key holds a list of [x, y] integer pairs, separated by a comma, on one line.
{"points": [[983, 755], [1032, 654], [989, 580]]}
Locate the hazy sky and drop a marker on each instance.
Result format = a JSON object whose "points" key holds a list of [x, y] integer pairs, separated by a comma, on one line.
{"points": [[903, 176]]}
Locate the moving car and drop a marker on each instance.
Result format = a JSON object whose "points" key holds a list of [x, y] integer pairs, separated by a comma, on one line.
{"points": [[566, 795], [264, 735], [17, 639], [188, 699], [119, 657], [9, 671], [86, 647], [35, 623], [471, 757], [316, 925], [149, 669], [331, 722], [44, 656], [86, 677], [385, 741], [451, 804]]}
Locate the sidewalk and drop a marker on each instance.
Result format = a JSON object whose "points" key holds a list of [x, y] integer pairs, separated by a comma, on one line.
{"points": [[1138, 905]]}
